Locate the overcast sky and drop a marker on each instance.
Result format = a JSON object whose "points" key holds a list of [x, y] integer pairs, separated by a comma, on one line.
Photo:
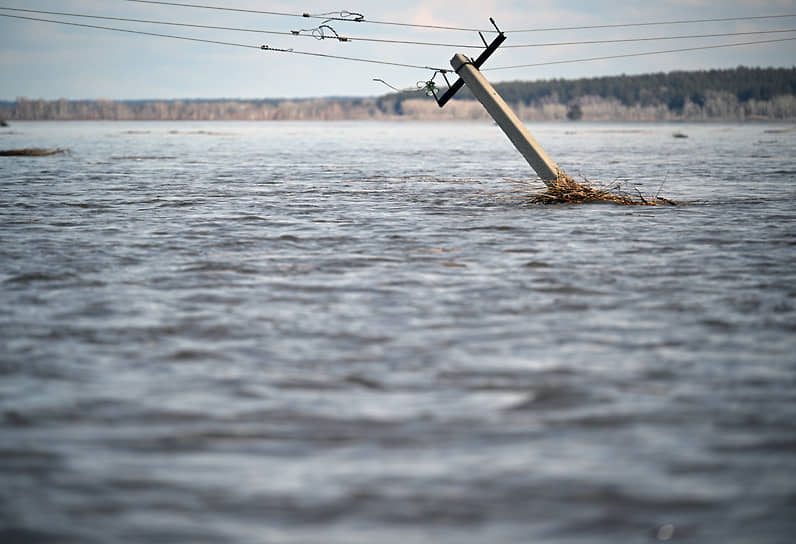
{"points": [[45, 60]]}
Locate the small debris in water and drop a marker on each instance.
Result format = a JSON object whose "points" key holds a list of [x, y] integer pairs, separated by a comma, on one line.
{"points": [[30, 152], [665, 532]]}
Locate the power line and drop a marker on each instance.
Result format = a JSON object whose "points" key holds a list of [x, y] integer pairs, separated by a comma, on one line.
{"points": [[217, 42], [127, 31], [608, 57], [656, 23], [382, 62], [383, 40], [656, 38], [150, 21], [238, 29], [356, 59], [363, 19], [336, 16]]}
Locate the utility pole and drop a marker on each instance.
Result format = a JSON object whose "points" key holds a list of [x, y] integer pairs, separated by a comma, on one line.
{"points": [[506, 119]]}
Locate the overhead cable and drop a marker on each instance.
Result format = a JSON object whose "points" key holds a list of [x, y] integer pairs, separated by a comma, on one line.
{"points": [[651, 39], [364, 19], [319, 32], [335, 16], [129, 31], [656, 23], [388, 63], [150, 21], [608, 57], [217, 42]]}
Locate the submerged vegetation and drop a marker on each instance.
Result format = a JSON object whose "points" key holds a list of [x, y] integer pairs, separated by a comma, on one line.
{"points": [[566, 190]]}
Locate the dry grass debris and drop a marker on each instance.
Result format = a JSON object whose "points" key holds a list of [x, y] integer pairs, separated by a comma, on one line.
{"points": [[566, 190]]}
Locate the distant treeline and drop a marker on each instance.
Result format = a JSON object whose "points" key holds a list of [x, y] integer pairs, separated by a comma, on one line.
{"points": [[735, 94], [674, 89]]}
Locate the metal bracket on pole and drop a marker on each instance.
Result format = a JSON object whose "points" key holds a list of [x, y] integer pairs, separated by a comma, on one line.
{"points": [[459, 83]]}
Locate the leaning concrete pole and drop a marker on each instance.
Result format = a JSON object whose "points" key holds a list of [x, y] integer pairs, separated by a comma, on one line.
{"points": [[506, 119]]}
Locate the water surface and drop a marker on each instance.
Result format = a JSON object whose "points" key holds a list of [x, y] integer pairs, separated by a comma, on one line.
{"points": [[360, 332]]}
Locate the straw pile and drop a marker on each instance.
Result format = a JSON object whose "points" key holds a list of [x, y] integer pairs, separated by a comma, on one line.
{"points": [[566, 190]]}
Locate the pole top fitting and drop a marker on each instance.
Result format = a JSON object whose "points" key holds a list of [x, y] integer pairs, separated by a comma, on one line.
{"points": [[459, 60]]}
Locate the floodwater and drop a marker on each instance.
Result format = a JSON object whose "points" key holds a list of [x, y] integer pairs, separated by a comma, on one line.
{"points": [[363, 332]]}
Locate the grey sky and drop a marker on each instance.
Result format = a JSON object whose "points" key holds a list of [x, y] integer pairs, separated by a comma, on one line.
{"points": [[44, 60]]}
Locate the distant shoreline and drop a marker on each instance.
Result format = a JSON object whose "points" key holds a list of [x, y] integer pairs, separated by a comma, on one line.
{"points": [[740, 94], [781, 108], [585, 122]]}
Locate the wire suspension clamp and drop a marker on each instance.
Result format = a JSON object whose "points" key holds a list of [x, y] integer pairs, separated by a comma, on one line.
{"points": [[343, 15], [319, 32]]}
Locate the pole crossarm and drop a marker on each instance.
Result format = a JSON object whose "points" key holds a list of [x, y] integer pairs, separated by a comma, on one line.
{"points": [[485, 54]]}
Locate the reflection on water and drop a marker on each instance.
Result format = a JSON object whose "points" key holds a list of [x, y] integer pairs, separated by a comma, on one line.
{"points": [[357, 332]]}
